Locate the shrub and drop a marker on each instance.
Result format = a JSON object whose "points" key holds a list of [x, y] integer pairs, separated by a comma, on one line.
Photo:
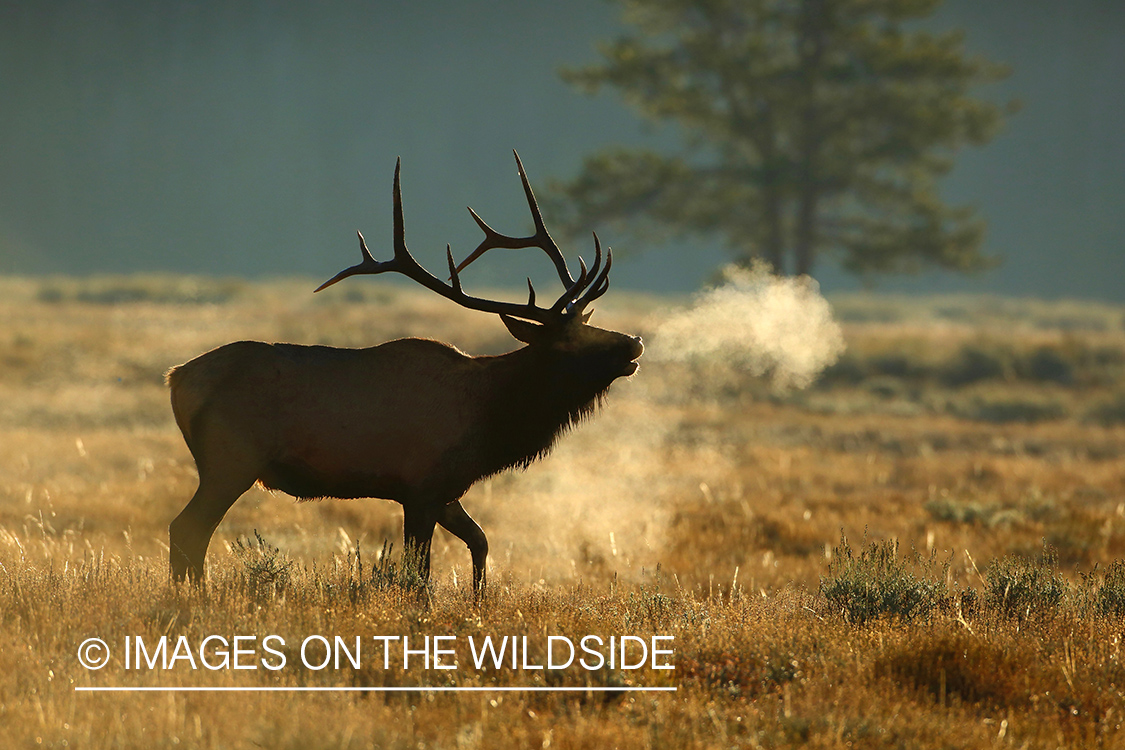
{"points": [[893, 364], [878, 583], [1047, 364], [849, 369], [1109, 412], [1007, 409], [1109, 599], [1017, 586], [976, 363], [956, 511]]}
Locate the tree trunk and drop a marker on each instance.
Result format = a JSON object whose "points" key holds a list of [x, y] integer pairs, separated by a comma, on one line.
{"points": [[805, 244], [808, 189], [774, 182], [775, 239]]}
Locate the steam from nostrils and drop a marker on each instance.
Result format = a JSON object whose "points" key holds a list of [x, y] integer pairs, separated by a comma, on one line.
{"points": [[756, 322], [624, 472]]}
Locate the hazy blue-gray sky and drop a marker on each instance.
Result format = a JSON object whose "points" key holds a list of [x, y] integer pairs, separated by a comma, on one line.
{"points": [[255, 138]]}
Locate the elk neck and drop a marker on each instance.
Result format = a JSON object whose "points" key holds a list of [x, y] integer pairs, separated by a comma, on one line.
{"points": [[536, 395]]}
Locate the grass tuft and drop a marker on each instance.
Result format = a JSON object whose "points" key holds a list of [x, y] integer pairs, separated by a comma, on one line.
{"points": [[265, 570]]}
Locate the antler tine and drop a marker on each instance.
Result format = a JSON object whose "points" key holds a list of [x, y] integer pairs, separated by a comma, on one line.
{"points": [[597, 257], [492, 239], [545, 242], [399, 224], [594, 292], [566, 299], [368, 264], [600, 284], [454, 277], [583, 275], [541, 239]]}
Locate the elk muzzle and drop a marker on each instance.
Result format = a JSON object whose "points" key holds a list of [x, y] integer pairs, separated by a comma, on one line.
{"points": [[638, 348]]}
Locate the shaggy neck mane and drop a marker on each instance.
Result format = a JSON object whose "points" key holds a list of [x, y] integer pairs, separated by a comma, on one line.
{"points": [[533, 404]]}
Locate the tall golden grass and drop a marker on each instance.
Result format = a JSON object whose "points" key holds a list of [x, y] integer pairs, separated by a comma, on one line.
{"points": [[969, 450]]}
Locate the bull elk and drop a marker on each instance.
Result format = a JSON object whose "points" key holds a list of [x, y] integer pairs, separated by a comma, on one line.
{"points": [[412, 420]]}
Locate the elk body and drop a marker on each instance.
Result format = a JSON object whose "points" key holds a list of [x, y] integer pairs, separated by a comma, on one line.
{"points": [[412, 420]]}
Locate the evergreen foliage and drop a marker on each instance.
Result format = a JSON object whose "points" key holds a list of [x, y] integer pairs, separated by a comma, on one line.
{"points": [[808, 126]]}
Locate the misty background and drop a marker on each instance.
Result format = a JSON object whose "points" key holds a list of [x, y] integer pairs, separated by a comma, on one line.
{"points": [[253, 139]]}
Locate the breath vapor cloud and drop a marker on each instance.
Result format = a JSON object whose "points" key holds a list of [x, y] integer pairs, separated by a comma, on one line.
{"points": [[759, 323]]}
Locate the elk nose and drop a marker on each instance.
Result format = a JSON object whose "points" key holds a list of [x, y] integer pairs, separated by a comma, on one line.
{"points": [[638, 347]]}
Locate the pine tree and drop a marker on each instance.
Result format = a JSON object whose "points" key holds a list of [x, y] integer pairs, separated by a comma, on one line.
{"points": [[807, 126]]}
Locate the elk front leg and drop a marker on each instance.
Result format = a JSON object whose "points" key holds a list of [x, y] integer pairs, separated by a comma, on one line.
{"points": [[418, 523], [460, 524]]}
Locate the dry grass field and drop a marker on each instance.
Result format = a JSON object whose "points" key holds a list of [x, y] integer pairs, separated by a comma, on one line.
{"points": [[921, 550]]}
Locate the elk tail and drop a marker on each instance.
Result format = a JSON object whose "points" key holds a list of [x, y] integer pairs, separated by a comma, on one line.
{"points": [[174, 379]]}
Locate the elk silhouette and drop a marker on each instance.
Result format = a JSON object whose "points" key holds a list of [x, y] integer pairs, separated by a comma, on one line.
{"points": [[412, 420]]}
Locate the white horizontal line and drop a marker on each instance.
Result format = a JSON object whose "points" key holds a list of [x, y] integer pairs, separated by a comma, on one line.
{"points": [[467, 689]]}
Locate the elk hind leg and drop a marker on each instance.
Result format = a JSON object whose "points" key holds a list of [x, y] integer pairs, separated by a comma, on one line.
{"points": [[460, 524], [226, 470]]}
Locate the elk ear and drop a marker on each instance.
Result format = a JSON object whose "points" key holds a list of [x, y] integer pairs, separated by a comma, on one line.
{"points": [[522, 330]]}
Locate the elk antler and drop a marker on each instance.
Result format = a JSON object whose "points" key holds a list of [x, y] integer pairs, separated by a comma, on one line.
{"points": [[541, 238], [578, 293]]}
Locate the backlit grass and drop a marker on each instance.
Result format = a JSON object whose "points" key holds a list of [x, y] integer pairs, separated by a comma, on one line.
{"points": [[922, 550]]}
